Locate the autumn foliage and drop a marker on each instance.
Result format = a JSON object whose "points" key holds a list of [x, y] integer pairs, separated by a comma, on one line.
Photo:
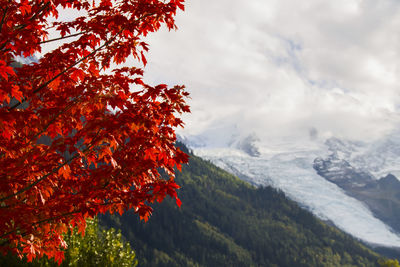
{"points": [[79, 132]]}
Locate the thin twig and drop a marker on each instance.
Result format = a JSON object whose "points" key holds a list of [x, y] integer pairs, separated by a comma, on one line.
{"points": [[64, 37], [3, 18]]}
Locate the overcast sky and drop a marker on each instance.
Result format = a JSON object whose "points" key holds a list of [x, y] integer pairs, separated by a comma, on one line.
{"points": [[282, 67]]}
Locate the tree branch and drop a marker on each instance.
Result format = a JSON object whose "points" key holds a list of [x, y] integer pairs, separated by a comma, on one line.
{"points": [[3, 18], [64, 37]]}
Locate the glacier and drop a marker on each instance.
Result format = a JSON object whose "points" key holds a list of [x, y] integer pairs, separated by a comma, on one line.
{"points": [[288, 165]]}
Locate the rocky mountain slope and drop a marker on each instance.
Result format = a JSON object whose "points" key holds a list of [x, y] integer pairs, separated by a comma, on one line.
{"points": [[382, 196]]}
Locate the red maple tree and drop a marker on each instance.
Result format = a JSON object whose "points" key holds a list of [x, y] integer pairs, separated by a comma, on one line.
{"points": [[79, 132]]}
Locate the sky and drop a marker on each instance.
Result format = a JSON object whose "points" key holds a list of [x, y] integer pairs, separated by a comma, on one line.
{"points": [[279, 68]]}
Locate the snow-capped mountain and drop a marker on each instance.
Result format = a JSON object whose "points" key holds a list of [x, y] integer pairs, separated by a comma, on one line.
{"points": [[311, 171], [379, 157], [382, 196]]}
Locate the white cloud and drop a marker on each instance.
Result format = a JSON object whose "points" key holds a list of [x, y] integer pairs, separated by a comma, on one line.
{"points": [[281, 67]]}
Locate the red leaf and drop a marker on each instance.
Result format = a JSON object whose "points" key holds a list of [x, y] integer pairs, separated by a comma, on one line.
{"points": [[15, 92], [143, 58], [5, 71], [93, 69], [77, 74], [65, 171], [178, 202], [59, 257], [25, 8]]}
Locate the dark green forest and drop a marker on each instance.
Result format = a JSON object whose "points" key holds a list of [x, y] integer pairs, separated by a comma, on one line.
{"points": [[224, 221]]}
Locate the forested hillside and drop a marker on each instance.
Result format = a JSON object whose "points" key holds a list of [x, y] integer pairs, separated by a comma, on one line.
{"points": [[224, 221]]}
